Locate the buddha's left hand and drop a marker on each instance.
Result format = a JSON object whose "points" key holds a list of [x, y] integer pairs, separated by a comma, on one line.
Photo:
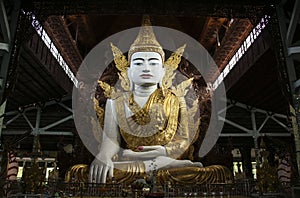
{"points": [[146, 152]]}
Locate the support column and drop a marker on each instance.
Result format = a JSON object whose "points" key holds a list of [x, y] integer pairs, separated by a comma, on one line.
{"points": [[255, 137], [3, 151], [288, 51], [295, 119], [2, 111], [246, 160], [36, 132], [8, 31]]}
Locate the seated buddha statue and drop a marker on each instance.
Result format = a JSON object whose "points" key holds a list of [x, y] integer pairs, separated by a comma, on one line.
{"points": [[146, 126]]}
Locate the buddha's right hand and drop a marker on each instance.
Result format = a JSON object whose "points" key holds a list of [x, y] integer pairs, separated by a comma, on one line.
{"points": [[100, 168], [146, 152]]}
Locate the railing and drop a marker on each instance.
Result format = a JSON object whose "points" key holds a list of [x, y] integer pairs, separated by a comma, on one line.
{"points": [[206, 190], [62, 189]]}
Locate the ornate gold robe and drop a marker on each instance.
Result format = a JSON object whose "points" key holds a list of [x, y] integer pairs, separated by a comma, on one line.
{"points": [[162, 121]]}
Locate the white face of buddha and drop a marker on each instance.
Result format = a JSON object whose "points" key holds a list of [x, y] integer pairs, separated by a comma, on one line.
{"points": [[146, 68]]}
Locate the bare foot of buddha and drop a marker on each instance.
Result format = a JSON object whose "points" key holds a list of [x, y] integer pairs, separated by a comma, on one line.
{"points": [[164, 163]]}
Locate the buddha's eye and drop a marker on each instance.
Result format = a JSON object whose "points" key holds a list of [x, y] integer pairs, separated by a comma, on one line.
{"points": [[138, 63], [153, 63]]}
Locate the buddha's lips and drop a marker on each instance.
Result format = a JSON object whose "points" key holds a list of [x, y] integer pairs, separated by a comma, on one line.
{"points": [[146, 76]]}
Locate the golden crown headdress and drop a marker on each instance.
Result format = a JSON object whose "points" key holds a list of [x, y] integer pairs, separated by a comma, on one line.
{"points": [[146, 40]]}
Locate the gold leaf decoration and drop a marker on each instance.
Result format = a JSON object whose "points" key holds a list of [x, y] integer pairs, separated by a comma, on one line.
{"points": [[122, 65], [124, 81], [99, 111], [119, 59], [109, 91], [168, 77], [171, 65], [77, 173], [175, 58], [181, 89]]}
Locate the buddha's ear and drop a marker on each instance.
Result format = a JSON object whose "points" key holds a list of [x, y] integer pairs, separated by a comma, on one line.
{"points": [[162, 77], [129, 74], [163, 72]]}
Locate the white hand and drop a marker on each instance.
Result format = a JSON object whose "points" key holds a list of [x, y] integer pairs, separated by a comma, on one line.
{"points": [[163, 162], [146, 152], [100, 168]]}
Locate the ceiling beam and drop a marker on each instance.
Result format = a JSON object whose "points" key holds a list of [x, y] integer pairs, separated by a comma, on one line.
{"points": [[251, 135], [234, 8], [20, 132]]}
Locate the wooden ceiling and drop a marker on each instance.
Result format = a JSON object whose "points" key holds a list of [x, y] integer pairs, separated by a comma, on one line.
{"points": [[220, 36]]}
